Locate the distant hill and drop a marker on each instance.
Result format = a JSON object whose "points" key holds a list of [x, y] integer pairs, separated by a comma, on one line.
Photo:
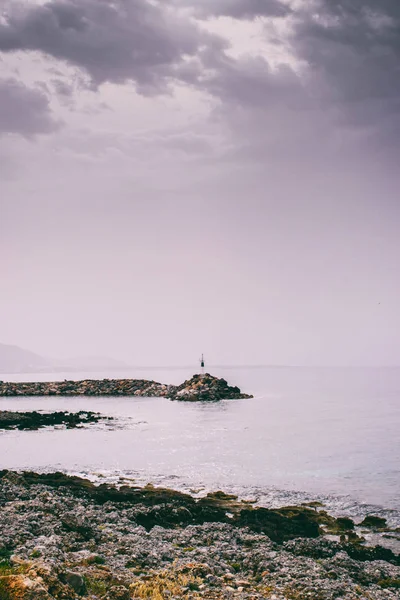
{"points": [[17, 360]]}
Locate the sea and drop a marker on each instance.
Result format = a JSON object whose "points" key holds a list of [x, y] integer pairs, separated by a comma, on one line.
{"points": [[325, 434]]}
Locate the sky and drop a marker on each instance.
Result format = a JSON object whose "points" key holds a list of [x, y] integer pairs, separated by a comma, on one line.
{"points": [[188, 176]]}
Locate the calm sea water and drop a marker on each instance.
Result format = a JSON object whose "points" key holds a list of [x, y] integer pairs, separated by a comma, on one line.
{"points": [[308, 433]]}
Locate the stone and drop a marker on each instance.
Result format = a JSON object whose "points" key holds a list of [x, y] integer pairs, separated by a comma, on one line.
{"points": [[117, 592], [374, 522], [75, 581], [345, 523]]}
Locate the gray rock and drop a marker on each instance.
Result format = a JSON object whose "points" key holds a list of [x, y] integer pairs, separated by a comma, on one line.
{"points": [[117, 592], [75, 581]]}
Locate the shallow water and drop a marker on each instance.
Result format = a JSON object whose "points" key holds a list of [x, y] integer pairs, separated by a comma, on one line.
{"points": [[307, 433]]}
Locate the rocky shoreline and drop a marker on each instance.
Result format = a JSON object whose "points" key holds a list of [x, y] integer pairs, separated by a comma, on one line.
{"points": [[198, 388], [34, 420], [66, 538]]}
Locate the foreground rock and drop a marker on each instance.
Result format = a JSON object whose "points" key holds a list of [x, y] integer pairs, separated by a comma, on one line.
{"points": [[64, 538], [36, 420], [199, 388]]}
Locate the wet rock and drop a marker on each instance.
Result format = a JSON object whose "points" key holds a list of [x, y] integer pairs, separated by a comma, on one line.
{"points": [[345, 524], [36, 420], [323, 548], [279, 526], [374, 522], [365, 553]]}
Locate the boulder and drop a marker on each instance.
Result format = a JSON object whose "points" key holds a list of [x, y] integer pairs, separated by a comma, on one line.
{"points": [[374, 522], [75, 581]]}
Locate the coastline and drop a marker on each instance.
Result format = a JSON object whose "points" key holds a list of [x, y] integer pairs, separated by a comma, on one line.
{"points": [[64, 537]]}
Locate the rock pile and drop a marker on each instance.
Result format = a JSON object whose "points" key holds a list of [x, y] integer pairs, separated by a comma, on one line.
{"points": [[205, 388], [87, 387], [199, 387]]}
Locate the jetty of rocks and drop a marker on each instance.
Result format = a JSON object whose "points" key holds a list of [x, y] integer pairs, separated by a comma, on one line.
{"points": [[199, 388]]}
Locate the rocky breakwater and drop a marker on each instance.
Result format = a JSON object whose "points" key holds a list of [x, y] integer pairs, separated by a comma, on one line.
{"points": [[198, 388], [86, 387]]}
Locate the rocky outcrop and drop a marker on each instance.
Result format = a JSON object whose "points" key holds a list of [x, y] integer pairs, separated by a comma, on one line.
{"points": [[205, 388], [36, 420], [65, 538], [373, 522], [198, 388]]}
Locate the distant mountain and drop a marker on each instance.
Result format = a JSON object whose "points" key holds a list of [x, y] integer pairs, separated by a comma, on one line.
{"points": [[17, 360]]}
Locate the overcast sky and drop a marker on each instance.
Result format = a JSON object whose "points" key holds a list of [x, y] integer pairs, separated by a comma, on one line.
{"points": [[187, 176]]}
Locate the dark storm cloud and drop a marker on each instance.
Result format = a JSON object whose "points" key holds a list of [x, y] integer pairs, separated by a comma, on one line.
{"points": [[250, 81], [347, 8], [111, 41], [240, 9], [24, 110], [353, 51], [350, 48], [350, 56]]}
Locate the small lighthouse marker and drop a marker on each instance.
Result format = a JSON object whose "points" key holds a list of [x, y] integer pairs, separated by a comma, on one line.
{"points": [[202, 364]]}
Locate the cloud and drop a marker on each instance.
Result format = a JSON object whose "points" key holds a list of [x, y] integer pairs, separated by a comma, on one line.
{"points": [[352, 49], [348, 51], [342, 87], [63, 88], [240, 9], [251, 82], [112, 41], [24, 110]]}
